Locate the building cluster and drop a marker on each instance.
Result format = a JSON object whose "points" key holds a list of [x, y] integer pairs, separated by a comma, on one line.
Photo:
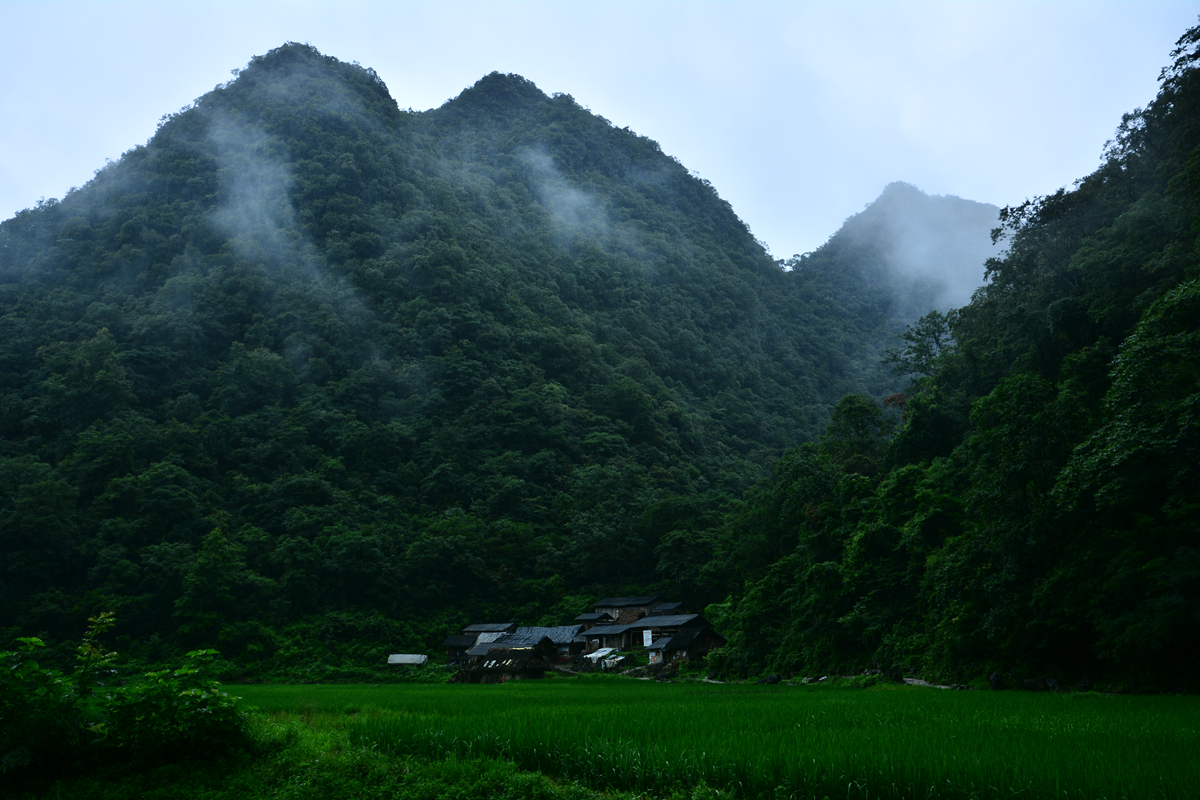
{"points": [[500, 651]]}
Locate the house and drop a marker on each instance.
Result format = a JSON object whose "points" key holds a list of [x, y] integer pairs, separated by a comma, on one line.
{"points": [[457, 645], [519, 654], [591, 620], [663, 609], [689, 643], [628, 609], [641, 633], [502, 664]]}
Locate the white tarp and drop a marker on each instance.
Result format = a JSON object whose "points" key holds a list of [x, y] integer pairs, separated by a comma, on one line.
{"points": [[601, 653]]}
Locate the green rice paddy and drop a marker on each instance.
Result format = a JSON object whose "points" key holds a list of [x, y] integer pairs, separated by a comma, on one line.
{"points": [[782, 741]]}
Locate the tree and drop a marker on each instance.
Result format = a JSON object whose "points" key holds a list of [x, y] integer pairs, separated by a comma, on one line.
{"points": [[927, 341]]}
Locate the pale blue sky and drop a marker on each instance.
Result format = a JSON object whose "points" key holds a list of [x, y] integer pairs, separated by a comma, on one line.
{"points": [[798, 112]]}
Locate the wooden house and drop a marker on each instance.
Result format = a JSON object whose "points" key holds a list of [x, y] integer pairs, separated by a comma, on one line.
{"points": [[690, 643], [628, 609]]}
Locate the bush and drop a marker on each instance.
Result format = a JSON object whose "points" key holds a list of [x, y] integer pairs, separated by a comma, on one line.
{"points": [[40, 711], [174, 712], [49, 718]]}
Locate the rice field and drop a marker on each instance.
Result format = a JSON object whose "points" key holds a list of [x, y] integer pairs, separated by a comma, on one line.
{"points": [[783, 741]]}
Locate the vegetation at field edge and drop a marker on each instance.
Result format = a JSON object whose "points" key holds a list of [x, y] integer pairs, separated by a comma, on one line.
{"points": [[786, 741]]}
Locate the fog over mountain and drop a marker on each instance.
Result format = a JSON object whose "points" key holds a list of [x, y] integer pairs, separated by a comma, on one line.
{"points": [[931, 248]]}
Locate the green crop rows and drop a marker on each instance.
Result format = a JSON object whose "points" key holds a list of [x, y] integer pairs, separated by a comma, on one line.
{"points": [[751, 741]]}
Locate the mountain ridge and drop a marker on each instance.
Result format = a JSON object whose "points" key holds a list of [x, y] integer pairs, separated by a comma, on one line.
{"points": [[386, 365]]}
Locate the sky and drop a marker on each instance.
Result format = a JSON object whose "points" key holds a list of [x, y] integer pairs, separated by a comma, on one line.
{"points": [[799, 113]]}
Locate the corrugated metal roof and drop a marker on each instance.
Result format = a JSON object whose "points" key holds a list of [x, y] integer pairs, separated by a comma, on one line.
{"points": [[562, 634], [490, 637], [415, 659]]}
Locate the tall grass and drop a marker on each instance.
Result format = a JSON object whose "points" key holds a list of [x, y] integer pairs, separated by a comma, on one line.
{"points": [[887, 742]]}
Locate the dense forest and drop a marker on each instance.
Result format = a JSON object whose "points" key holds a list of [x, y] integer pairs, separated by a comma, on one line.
{"points": [[1033, 513], [310, 378]]}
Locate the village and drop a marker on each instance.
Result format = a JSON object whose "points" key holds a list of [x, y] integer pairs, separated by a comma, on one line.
{"points": [[617, 627]]}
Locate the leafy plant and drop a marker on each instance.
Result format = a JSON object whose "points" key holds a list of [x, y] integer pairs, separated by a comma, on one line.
{"points": [[174, 712]]}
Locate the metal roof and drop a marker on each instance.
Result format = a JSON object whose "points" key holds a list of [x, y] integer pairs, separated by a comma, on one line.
{"points": [[562, 634], [415, 659], [596, 616]]}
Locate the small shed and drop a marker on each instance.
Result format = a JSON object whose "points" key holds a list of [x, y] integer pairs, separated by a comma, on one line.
{"points": [[407, 660]]}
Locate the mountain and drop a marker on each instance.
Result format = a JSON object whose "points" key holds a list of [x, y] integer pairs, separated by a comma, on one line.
{"points": [[931, 251], [1030, 518], [308, 373]]}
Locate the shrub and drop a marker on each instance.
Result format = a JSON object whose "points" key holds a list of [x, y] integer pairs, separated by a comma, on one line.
{"points": [[174, 712], [47, 717]]}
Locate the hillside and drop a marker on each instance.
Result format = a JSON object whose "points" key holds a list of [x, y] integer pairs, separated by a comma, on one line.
{"points": [[928, 250], [1030, 517], [308, 377]]}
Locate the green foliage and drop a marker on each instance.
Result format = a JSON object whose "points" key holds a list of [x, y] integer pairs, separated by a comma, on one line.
{"points": [[50, 721], [173, 712], [1035, 514], [305, 357], [39, 709]]}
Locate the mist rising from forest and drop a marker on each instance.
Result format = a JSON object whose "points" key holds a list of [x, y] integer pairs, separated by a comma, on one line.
{"points": [[933, 247]]}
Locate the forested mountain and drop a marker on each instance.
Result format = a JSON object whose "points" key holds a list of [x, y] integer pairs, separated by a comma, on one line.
{"points": [[310, 377], [1036, 512], [929, 252]]}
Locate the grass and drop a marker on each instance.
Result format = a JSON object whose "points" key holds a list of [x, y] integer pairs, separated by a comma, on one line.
{"points": [[883, 742], [608, 738]]}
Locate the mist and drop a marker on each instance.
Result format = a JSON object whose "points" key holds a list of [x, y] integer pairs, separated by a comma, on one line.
{"points": [[932, 248]]}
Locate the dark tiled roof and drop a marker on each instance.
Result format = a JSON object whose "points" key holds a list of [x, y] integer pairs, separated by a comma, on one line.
{"points": [[683, 638], [527, 638], [618, 602], [599, 615], [486, 647], [665, 608], [607, 630], [563, 634], [668, 621], [463, 640], [488, 627]]}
